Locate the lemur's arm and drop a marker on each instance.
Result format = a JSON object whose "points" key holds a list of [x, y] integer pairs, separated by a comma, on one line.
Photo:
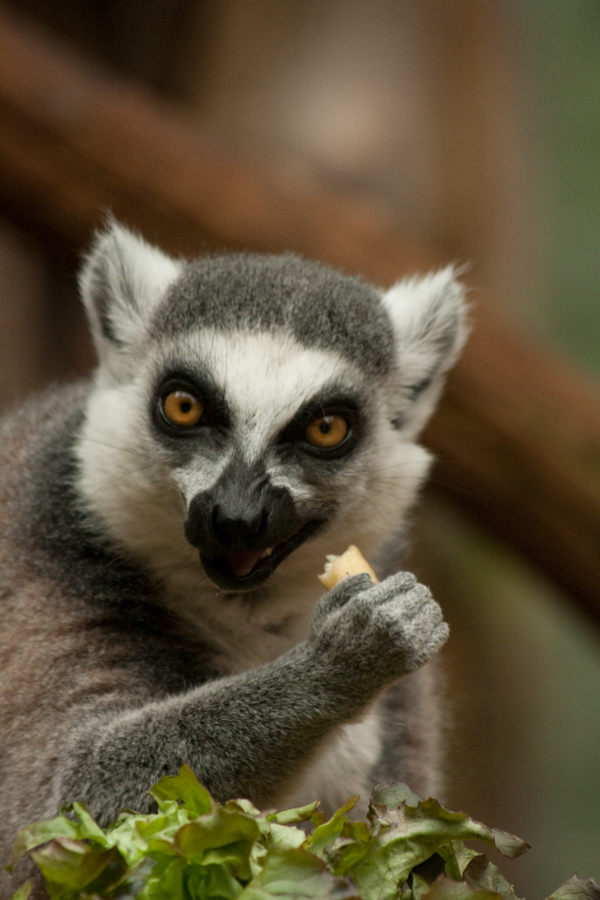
{"points": [[250, 734]]}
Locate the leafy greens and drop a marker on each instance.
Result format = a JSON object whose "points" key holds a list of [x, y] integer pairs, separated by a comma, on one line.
{"points": [[196, 849]]}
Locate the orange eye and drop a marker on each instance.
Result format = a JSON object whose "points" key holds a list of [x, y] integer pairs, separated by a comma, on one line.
{"points": [[326, 432], [182, 409]]}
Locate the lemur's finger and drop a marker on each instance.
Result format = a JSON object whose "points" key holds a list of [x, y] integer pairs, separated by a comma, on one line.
{"points": [[344, 591], [433, 643], [395, 585]]}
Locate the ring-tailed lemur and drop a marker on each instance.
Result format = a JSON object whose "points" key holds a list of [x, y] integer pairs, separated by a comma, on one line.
{"points": [[162, 528]]}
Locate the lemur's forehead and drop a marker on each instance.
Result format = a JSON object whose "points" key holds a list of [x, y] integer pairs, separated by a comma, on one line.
{"points": [[317, 306]]}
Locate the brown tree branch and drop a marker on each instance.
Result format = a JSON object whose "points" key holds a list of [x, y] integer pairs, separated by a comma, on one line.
{"points": [[518, 433]]}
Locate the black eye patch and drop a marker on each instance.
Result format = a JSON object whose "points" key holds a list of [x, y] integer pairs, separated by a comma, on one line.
{"points": [[296, 433], [216, 414]]}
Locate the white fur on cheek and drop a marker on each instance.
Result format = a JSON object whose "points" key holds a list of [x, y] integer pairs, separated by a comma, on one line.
{"points": [[126, 482]]}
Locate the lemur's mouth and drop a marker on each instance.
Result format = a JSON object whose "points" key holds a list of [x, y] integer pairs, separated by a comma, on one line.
{"points": [[241, 570], [241, 564]]}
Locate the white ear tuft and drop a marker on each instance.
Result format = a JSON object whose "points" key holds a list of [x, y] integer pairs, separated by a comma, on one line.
{"points": [[429, 320], [121, 281]]}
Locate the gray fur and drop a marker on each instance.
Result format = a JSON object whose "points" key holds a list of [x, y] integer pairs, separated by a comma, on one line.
{"points": [[119, 658], [320, 307], [363, 638]]}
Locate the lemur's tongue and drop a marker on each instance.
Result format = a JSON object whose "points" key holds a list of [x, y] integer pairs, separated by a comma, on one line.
{"points": [[240, 563]]}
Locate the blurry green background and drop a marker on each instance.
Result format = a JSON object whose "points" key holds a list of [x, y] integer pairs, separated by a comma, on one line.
{"points": [[478, 121], [530, 701], [564, 44]]}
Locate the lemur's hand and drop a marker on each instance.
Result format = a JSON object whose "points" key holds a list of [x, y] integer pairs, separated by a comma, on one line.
{"points": [[375, 633]]}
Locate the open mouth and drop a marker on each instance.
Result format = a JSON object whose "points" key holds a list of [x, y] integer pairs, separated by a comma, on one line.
{"points": [[241, 563], [242, 570]]}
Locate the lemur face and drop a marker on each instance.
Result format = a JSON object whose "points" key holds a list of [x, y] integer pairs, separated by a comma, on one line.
{"points": [[266, 441], [246, 405]]}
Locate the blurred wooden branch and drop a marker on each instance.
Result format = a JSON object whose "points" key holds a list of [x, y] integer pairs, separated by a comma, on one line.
{"points": [[518, 433]]}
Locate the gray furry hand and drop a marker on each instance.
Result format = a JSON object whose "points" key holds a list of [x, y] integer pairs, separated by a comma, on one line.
{"points": [[377, 632]]}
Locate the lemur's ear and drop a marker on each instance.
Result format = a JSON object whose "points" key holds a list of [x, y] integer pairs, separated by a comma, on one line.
{"points": [[429, 320], [121, 281]]}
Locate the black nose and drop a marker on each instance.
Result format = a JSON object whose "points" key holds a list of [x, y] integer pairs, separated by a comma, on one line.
{"points": [[243, 512], [234, 528]]}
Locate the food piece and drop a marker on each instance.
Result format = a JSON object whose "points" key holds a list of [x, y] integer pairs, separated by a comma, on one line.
{"points": [[352, 562]]}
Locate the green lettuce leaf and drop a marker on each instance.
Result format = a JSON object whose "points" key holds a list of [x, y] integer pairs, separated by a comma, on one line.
{"points": [[216, 829], [39, 833], [482, 873], [24, 891], [432, 825], [407, 831], [299, 875], [444, 888], [324, 835], [186, 788], [577, 889], [195, 849], [309, 813], [69, 866]]}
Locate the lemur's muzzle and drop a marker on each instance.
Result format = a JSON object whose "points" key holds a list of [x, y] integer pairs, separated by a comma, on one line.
{"points": [[244, 526]]}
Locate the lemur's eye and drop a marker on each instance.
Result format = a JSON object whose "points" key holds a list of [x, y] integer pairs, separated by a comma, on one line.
{"points": [[326, 432], [182, 409]]}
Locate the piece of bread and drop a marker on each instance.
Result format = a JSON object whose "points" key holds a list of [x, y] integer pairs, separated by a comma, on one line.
{"points": [[352, 562]]}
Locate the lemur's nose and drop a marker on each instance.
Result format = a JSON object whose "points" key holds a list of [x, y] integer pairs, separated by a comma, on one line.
{"points": [[233, 530], [242, 513]]}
